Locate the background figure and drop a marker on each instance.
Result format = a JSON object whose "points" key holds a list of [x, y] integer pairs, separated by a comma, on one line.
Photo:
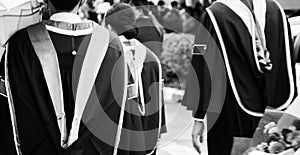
{"points": [[189, 22], [198, 10], [162, 11], [149, 30], [121, 18], [172, 19]]}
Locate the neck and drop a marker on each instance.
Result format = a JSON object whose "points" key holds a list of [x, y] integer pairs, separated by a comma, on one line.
{"points": [[54, 11]]}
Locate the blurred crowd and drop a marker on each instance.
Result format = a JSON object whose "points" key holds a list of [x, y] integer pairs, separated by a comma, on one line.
{"points": [[176, 17]]}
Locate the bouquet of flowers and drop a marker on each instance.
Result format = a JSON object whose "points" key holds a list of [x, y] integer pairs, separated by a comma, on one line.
{"points": [[284, 142]]}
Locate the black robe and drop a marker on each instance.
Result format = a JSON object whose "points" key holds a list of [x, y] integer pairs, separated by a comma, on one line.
{"points": [[7, 145], [35, 117], [149, 35], [146, 129], [209, 90]]}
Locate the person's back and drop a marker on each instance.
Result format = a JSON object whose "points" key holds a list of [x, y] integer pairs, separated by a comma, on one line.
{"points": [[145, 73], [243, 56], [50, 61], [149, 35]]}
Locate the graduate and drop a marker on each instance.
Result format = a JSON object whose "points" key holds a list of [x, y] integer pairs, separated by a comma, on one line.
{"points": [[66, 85], [150, 31], [145, 104], [14, 15], [242, 62]]}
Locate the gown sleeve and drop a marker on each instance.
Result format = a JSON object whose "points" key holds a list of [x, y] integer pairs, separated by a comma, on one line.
{"points": [[206, 66]]}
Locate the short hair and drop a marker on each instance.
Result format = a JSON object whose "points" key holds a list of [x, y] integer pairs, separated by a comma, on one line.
{"points": [[174, 4], [64, 5], [151, 3], [142, 5], [139, 2], [121, 17], [161, 3]]}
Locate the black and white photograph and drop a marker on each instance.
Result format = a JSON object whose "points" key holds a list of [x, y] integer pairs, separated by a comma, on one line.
{"points": [[149, 77]]}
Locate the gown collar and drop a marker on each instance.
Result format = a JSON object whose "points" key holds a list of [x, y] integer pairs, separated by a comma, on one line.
{"points": [[66, 17], [69, 24]]}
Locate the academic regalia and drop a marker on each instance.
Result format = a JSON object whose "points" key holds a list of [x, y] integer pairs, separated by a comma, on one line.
{"points": [[144, 107], [149, 35], [7, 145], [226, 83], [46, 115]]}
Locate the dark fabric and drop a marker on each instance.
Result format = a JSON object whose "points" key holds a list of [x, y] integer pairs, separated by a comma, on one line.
{"points": [[256, 90], [151, 93], [149, 35], [63, 46], [219, 142], [7, 145], [148, 123], [232, 118], [37, 125], [240, 54], [276, 80]]}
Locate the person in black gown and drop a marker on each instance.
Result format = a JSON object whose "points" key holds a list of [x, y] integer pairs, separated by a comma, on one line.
{"points": [[120, 18], [150, 31], [48, 70], [243, 62]]}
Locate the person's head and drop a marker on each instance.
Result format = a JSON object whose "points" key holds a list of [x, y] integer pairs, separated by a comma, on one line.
{"points": [[151, 3], [198, 5], [161, 3], [141, 7], [174, 4], [64, 5], [121, 18], [183, 5], [189, 11]]}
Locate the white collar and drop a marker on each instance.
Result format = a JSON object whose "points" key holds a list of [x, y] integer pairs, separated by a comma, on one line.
{"points": [[240, 9], [69, 18], [66, 17]]}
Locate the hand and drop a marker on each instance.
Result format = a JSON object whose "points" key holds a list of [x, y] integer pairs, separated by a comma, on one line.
{"points": [[197, 135]]}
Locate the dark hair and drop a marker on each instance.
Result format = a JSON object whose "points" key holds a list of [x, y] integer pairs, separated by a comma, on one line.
{"points": [[161, 3], [142, 5], [151, 3], [189, 10], [64, 5], [174, 4], [183, 5], [121, 17], [125, 1], [139, 2]]}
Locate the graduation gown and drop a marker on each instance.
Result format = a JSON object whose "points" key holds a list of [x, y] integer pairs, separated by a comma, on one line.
{"points": [[34, 123], [144, 109], [149, 35], [224, 82], [7, 145]]}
